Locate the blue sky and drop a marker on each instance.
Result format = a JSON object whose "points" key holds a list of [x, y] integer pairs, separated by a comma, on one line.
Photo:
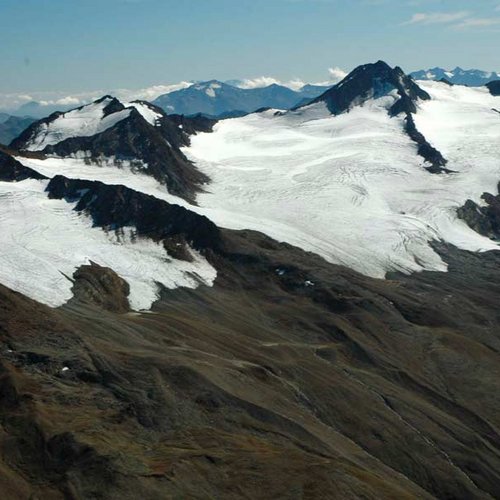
{"points": [[77, 45]]}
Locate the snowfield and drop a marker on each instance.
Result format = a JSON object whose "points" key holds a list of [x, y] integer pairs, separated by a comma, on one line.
{"points": [[44, 241], [350, 188]]}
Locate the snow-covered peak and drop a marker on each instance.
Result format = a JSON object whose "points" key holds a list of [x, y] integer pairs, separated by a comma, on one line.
{"points": [[458, 76], [152, 114], [85, 121]]}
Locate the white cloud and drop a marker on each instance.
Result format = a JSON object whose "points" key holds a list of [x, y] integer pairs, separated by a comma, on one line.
{"points": [[51, 100], [336, 74], [68, 101], [265, 81], [148, 93], [478, 22], [259, 82], [10, 102], [437, 17]]}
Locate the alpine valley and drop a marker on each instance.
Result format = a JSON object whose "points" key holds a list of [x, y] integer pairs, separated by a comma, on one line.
{"points": [[237, 294]]}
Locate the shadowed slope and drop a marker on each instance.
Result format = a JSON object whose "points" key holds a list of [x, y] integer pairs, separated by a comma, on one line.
{"points": [[292, 378]]}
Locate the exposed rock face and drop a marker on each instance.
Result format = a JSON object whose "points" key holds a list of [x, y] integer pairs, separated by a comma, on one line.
{"points": [[447, 82], [114, 207], [101, 286], [428, 152], [145, 146], [494, 87], [484, 220], [11, 170], [193, 124], [373, 81]]}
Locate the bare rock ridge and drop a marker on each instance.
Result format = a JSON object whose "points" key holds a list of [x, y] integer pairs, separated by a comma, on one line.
{"points": [[483, 219], [377, 80], [114, 206], [102, 287], [372, 81], [12, 170], [494, 87]]}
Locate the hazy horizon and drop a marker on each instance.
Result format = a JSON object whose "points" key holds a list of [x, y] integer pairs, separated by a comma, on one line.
{"points": [[84, 45]]}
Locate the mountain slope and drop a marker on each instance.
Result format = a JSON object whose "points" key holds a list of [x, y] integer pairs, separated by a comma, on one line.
{"points": [[216, 98], [71, 223], [458, 76], [12, 127], [139, 137], [355, 188], [289, 367], [355, 185], [264, 369], [373, 81]]}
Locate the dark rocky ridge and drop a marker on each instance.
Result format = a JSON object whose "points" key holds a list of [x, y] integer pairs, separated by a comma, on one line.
{"points": [[494, 87], [193, 124], [447, 82], [377, 80], [114, 206], [484, 220], [11, 170], [428, 152], [373, 81]]}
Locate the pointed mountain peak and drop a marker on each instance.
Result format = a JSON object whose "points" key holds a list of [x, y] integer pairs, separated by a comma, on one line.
{"points": [[104, 98], [373, 81], [84, 121]]}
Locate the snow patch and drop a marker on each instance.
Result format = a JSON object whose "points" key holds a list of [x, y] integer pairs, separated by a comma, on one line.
{"points": [[149, 114]]}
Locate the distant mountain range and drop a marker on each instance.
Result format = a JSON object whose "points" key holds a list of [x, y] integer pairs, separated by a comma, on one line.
{"points": [[12, 126], [216, 99], [229, 99], [458, 76]]}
